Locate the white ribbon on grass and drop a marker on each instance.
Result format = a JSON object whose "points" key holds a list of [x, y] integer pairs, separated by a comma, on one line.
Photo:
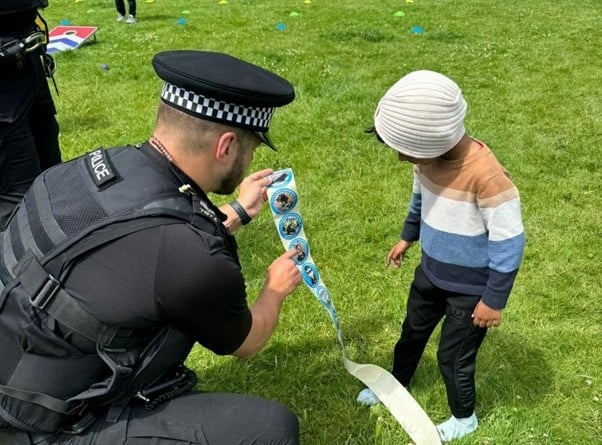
{"points": [[284, 203]]}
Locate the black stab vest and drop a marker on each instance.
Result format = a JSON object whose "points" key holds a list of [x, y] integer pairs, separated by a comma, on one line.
{"points": [[45, 381]]}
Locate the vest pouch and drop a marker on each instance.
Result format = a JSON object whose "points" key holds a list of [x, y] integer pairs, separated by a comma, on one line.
{"points": [[36, 398], [168, 349], [34, 418], [39, 371], [105, 391]]}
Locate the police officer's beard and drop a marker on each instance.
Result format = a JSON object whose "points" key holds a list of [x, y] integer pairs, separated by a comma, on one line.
{"points": [[234, 177]]}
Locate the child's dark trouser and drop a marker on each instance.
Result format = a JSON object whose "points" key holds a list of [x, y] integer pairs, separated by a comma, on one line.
{"points": [[458, 347], [195, 419]]}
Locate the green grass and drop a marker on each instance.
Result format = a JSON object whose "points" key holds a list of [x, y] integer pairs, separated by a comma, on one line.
{"points": [[530, 71]]}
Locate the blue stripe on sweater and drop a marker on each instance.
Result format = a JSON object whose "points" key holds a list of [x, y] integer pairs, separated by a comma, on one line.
{"points": [[472, 251], [415, 203], [507, 255], [450, 248]]}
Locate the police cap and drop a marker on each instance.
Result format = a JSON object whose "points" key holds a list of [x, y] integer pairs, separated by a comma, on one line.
{"points": [[221, 88]]}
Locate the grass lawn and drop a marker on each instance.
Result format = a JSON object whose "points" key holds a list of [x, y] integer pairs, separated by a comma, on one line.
{"points": [[530, 71]]}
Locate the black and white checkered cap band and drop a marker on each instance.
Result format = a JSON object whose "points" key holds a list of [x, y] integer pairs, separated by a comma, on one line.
{"points": [[254, 118]]}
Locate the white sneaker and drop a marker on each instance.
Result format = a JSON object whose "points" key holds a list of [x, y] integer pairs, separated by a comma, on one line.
{"points": [[120, 18], [455, 428], [130, 19], [367, 398]]}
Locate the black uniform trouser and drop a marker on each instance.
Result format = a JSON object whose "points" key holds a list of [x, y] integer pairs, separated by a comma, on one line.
{"points": [[120, 5], [28, 129], [195, 418], [458, 346]]}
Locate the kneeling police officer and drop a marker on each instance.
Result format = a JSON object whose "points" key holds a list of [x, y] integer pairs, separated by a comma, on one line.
{"points": [[29, 131], [116, 262]]}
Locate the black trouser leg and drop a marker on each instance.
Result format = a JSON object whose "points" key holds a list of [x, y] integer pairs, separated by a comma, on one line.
{"points": [[425, 308], [458, 348], [132, 7], [120, 5], [42, 120], [19, 163], [194, 419]]}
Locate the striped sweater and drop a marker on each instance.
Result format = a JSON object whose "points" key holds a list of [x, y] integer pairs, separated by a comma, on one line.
{"points": [[466, 214]]}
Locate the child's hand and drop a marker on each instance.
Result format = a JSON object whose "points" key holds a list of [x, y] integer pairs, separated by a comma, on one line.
{"points": [[486, 317], [397, 253]]}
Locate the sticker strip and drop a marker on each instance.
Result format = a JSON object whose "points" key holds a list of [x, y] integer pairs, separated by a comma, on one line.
{"points": [[284, 203]]}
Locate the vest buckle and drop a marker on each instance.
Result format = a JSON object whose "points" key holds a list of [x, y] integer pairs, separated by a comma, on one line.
{"points": [[80, 425], [46, 293]]}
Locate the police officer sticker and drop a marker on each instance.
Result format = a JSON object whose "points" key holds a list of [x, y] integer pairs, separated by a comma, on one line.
{"points": [[281, 178], [290, 226], [310, 275], [302, 248], [283, 201]]}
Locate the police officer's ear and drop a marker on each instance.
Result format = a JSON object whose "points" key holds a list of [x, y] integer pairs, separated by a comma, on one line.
{"points": [[225, 146]]}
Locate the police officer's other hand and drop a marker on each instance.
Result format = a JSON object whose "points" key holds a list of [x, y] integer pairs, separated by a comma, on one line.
{"points": [[283, 276], [485, 316], [397, 253], [253, 191]]}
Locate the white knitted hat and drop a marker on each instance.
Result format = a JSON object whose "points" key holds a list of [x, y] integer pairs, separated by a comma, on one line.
{"points": [[422, 115]]}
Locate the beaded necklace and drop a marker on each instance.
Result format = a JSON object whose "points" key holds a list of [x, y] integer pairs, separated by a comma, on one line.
{"points": [[161, 148]]}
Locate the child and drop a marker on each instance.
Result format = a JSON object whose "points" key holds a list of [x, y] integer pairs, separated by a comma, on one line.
{"points": [[120, 5], [465, 211]]}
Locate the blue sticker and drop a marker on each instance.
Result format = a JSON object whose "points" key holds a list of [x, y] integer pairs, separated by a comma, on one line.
{"points": [[310, 275], [302, 250], [281, 177], [323, 295], [290, 226], [283, 201]]}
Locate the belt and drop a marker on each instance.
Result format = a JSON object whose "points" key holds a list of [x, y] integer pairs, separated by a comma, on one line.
{"points": [[15, 48]]}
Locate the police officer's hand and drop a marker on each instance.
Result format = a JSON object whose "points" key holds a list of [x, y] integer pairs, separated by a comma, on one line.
{"points": [[283, 276], [253, 191], [397, 253], [485, 316]]}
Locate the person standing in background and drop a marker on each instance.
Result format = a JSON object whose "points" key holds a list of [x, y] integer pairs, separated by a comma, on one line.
{"points": [[29, 131], [131, 13]]}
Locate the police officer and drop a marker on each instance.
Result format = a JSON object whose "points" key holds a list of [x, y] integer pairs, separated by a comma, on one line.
{"points": [[28, 127], [117, 262]]}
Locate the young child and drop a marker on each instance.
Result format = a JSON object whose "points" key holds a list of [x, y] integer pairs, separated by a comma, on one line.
{"points": [[131, 17], [465, 211]]}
